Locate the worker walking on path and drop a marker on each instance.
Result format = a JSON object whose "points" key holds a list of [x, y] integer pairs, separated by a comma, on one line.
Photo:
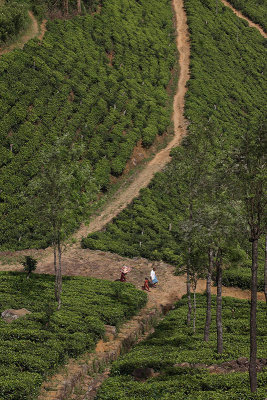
{"points": [[153, 277]]}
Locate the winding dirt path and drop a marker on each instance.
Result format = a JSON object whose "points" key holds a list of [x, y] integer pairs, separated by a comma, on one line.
{"points": [[123, 197], [163, 157], [31, 32], [240, 15], [85, 262]]}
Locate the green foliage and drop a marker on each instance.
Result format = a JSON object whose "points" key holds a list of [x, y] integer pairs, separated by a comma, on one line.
{"points": [[224, 99], [34, 346], [13, 19], [68, 85], [255, 10], [29, 264], [173, 342]]}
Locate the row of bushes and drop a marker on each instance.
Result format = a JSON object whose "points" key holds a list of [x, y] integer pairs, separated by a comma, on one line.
{"points": [[13, 19], [173, 343], [32, 347], [255, 10], [100, 78], [50, 8], [224, 97]]}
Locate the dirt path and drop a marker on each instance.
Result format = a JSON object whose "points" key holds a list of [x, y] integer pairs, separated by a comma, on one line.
{"points": [[85, 262], [240, 15], [123, 197], [163, 157], [30, 33]]}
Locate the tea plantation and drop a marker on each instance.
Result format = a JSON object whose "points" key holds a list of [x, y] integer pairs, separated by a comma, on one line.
{"points": [[255, 10], [173, 343], [226, 97], [101, 80], [32, 347]]}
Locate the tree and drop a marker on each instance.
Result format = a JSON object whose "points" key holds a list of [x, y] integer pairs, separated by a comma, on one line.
{"points": [[249, 186], [60, 195], [79, 7], [208, 294], [29, 264], [66, 7]]}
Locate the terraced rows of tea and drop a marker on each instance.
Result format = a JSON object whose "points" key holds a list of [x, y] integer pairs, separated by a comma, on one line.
{"points": [[74, 108]]}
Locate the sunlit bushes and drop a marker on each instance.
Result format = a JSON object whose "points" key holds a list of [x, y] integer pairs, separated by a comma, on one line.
{"points": [[225, 94], [68, 85], [34, 346], [173, 343], [255, 10], [13, 19]]}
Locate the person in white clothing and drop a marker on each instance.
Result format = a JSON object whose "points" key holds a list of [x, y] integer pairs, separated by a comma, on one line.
{"points": [[153, 277]]}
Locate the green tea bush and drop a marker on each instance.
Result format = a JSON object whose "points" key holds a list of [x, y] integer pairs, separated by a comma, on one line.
{"points": [[34, 346], [173, 343], [224, 97], [13, 19], [69, 85], [255, 10]]}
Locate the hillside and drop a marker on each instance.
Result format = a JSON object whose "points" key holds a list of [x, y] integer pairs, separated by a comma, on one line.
{"points": [[106, 98], [103, 91]]}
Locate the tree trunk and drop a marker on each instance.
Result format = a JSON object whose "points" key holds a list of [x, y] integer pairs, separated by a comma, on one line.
{"points": [[79, 7], [188, 290], [265, 271], [188, 285], [208, 294], [195, 307], [219, 304], [58, 273], [55, 258], [253, 315], [59, 276], [65, 7]]}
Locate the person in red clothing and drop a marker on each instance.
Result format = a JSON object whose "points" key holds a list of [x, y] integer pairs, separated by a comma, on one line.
{"points": [[146, 286], [123, 277]]}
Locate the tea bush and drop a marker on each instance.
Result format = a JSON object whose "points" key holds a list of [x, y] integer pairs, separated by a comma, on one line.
{"points": [[173, 343], [100, 78], [13, 19], [33, 347], [225, 94], [255, 10]]}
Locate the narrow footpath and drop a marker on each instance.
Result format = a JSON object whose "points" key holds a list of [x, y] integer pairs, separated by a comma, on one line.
{"points": [[83, 375], [84, 262]]}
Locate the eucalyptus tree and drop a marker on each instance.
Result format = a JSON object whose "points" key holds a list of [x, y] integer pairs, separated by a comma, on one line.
{"points": [[192, 167], [248, 180], [60, 196]]}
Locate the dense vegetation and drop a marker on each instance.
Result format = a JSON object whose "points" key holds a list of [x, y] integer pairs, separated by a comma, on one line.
{"points": [[225, 98], [173, 343], [13, 19], [255, 10], [51, 8], [100, 79], [32, 347]]}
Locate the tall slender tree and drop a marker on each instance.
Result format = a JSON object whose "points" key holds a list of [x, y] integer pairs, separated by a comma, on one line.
{"points": [[60, 195], [249, 186]]}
